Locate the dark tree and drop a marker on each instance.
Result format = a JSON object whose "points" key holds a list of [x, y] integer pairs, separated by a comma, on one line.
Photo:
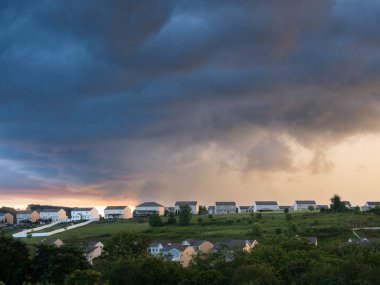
{"points": [[336, 204], [172, 220], [155, 220], [184, 215]]}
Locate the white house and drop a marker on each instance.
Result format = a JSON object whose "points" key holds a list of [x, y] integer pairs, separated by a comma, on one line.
{"points": [[191, 204], [245, 209], [6, 218], [211, 210], [265, 206], [79, 214], [53, 214], [225, 208], [370, 205], [117, 212], [148, 208], [27, 216], [157, 248], [304, 205]]}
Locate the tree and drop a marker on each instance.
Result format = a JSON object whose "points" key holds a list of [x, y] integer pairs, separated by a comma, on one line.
{"points": [[310, 208], [199, 220], [52, 264], [84, 277], [286, 210], [125, 244], [288, 216], [257, 274], [336, 204], [202, 210], [184, 215], [14, 260], [172, 220], [155, 220]]}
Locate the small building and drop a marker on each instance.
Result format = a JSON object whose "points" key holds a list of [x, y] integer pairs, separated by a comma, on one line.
{"points": [[222, 208], [300, 205], [191, 204], [6, 218], [323, 207], [148, 208], [262, 206], [179, 253], [200, 246], [211, 210], [117, 212], [53, 215], [54, 241], [27, 217], [245, 209], [92, 250], [84, 214]]}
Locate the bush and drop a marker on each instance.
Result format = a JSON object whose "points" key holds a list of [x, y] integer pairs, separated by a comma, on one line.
{"points": [[172, 220], [199, 220], [155, 220], [288, 216]]}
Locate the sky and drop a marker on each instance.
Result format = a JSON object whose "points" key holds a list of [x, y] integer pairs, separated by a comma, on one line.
{"points": [[120, 102]]}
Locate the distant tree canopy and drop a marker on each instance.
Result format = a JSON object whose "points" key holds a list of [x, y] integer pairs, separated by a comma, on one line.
{"points": [[202, 210], [8, 210], [184, 215], [155, 220], [337, 205]]}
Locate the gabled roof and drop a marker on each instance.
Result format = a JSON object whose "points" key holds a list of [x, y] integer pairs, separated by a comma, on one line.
{"points": [[81, 209], [115, 207], [149, 204], [285, 207], [53, 210], [176, 246], [272, 203], [225, 203], [305, 202], [373, 203], [182, 203], [231, 244]]}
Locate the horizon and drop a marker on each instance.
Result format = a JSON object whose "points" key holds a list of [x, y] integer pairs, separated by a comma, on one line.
{"points": [[180, 100]]}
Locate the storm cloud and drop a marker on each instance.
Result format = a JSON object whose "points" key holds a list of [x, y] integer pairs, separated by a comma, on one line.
{"points": [[120, 97]]}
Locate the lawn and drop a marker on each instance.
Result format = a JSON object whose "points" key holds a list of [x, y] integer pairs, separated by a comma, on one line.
{"points": [[331, 229]]}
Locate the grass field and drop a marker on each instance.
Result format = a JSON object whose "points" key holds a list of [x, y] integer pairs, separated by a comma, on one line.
{"points": [[331, 229]]}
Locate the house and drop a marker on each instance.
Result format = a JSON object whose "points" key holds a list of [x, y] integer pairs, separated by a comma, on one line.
{"points": [[282, 208], [148, 208], [6, 218], [179, 253], [80, 214], [304, 205], [260, 206], [324, 207], [245, 209], [244, 245], [347, 204], [191, 204], [312, 240], [56, 242], [117, 212], [225, 208], [157, 248], [93, 250], [370, 205], [53, 215], [200, 246], [27, 217], [211, 210]]}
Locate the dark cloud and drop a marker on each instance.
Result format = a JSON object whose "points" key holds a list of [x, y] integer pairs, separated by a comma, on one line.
{"points": [[95, 93]]}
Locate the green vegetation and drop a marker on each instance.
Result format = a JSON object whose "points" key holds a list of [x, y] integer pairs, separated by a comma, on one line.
{"points": [[184, 215]]}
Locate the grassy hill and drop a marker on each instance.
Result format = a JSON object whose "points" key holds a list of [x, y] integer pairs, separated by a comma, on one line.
{"points": [[330, 228]]}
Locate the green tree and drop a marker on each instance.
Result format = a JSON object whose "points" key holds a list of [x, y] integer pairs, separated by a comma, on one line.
{"points": [[258, 274], [202, 210], [184, 215], [52, 264], [209, 277], [199, 220], [155, 220], [125, 244], [286, 210], [172, 220], [310, 208], [14, 261], [288, 216], [336, 204], [84, 277]]}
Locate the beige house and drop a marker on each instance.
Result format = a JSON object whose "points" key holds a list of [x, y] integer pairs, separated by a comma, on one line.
{"points": [[179, 253], [27, 216], [55, 215], [79, 214], [117, 212], [200, 246], [93, 250], [6, 218]]}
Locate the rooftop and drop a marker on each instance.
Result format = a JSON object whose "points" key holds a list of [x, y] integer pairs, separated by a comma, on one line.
{"points": [[273, 203], [149, 204], [52, 210], [225, 203], [115, 207], [81, 209], [181, 203], [305, 202]]}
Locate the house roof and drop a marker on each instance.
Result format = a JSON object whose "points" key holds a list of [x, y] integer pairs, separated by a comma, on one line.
{"points": [[149, 204], [232, 244], [305, 202], [225, 203], [273, 203], [52, 210], [50, 240], [81, 209], [373, 203], [176, 246], [181, 203], [245, 207], [115, 207], [285, 207], [322, 206], [364, 240]]}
